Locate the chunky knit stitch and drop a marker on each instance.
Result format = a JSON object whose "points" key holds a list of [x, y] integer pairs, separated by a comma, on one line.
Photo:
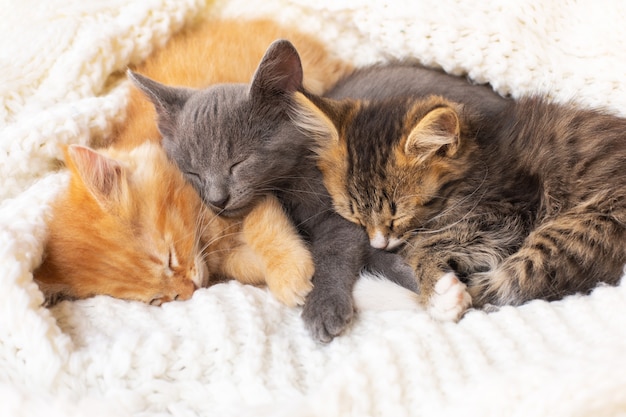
{"points": [[232, 350]]}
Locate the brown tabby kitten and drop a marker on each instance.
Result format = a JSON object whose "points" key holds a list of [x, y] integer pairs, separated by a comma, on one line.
{"points": [[528, 204]]}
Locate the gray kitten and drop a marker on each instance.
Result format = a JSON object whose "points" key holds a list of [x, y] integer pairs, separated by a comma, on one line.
{"points": [[237, 142]]}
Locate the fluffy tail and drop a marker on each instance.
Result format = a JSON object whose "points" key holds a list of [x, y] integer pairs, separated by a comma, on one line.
{"points": [[375, 292]]}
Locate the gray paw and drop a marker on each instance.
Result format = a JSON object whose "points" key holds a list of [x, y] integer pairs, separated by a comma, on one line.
{"points": [[327, 315]]}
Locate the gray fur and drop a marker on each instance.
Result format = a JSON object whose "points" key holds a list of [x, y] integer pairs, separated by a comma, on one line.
{"points": [[235, 143], [406, 79]]}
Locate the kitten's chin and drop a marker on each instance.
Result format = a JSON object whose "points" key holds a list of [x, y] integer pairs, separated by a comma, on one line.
{"points": [[394, 243], [390, 243], [233, 211]]}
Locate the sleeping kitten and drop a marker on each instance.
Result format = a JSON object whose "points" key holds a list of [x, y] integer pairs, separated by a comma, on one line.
{"points": [[120, 230], [220, 51], [131, 228], [527, 203], [236, 143]]}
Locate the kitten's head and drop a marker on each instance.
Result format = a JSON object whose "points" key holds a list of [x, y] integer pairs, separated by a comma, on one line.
{"points": [[389, 165], [128, 227], [234, 142]]}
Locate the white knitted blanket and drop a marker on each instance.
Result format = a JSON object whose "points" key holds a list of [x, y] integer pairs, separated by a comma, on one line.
{"points": [[232, 350]]}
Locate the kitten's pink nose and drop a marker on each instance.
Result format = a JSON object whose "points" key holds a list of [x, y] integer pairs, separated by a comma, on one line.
{"points": [[379, 241]]}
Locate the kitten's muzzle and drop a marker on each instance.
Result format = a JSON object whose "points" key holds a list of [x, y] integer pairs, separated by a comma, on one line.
{"points": [[385, 242], [220, 202], [223, 205]]}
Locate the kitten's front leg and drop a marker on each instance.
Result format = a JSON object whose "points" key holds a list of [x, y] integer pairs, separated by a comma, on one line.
{"points": [[329, 307], [393, 267], [441, 292], [284, 257], [450, 298]]}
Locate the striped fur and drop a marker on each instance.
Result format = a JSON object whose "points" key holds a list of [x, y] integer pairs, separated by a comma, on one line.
{"points": [[528, 204]]}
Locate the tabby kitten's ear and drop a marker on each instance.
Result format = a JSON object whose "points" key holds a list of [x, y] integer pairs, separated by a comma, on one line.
{"points": [[105, 178], [437, 133], [321, 118], [168, 101], [280, 70]]}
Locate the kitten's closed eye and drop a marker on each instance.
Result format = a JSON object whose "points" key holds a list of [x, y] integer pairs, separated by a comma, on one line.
{"points": [[157, 300], [193, 177], [235, 165]]}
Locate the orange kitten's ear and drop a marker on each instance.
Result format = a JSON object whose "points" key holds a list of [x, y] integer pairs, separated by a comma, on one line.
{"points": [[168, 101], [105, 178], [436, 133]]}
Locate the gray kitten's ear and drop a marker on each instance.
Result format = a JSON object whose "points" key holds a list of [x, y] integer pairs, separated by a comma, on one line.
{"points": [[168, 101], [280, 70]]}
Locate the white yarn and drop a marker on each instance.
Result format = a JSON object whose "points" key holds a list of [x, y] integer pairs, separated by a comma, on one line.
{"points": [[56, 59], [232, 350], [573, 49]]}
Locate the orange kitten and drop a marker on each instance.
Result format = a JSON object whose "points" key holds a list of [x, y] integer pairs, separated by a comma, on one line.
{"points": [[126, 227], [131, 227]]}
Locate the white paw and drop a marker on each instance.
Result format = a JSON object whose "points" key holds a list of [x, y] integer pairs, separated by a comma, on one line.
{"points": [[450, 299]]}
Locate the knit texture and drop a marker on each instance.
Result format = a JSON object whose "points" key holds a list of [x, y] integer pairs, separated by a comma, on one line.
{"points": [[232, 350]]}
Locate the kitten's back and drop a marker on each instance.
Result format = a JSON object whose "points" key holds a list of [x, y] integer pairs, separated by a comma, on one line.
{"points": [[404, 79]]}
